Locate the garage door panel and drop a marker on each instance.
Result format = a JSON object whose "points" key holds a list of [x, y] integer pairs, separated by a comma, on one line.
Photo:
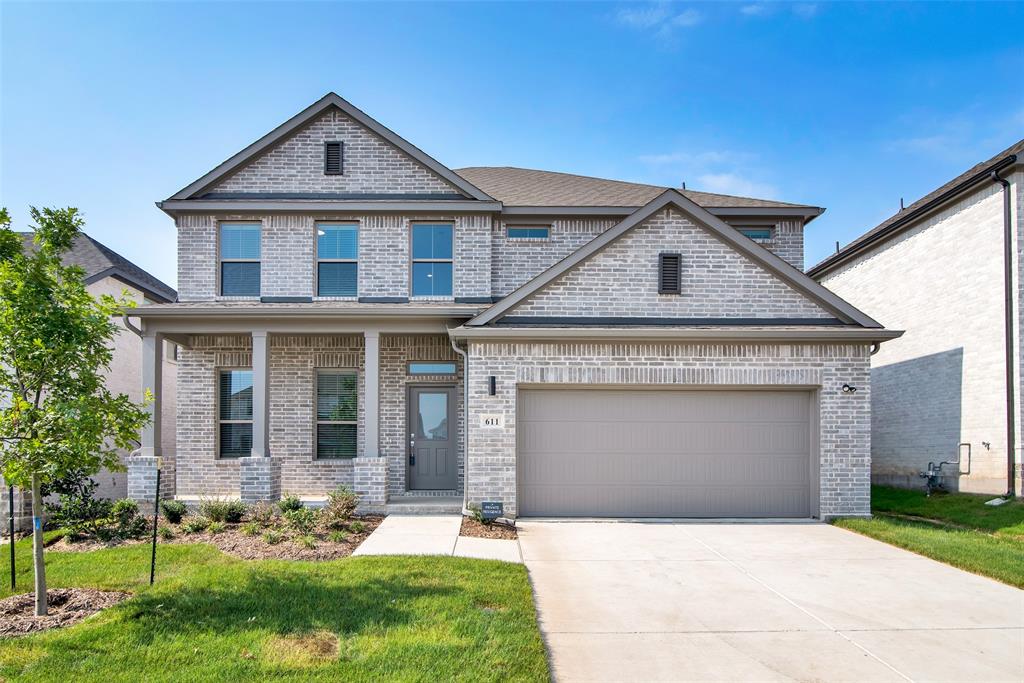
{"points": [[664, 453]]}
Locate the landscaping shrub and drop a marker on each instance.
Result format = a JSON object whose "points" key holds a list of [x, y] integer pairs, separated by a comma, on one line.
{"points": [[302, 521], [222, 510], [215, 527], [235, 511], [173, 510], [337, 536], [194, 525], [289, 502], [125, 520], [263, 514], [307, 541], [77, 512], [478, 515], [165, 533], [273, 537], [341, 505], [252, 528], [357, 527]]}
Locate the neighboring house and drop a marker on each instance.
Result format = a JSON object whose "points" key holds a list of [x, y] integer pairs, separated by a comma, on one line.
{"points": [[107, 272], [940, 270], [352, 312]]}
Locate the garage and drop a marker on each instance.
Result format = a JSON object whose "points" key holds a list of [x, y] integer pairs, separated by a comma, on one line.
{"points": [[598, 452]]}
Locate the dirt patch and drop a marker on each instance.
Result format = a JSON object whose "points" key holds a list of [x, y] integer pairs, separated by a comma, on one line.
{"points": [[233, 542], [85, 545], [471, 527], [67, 606], [307, 649]]}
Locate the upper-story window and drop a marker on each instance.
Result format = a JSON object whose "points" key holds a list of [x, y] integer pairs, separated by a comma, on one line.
{"points": [[240, 259], [756, 233], [337, 265], [432, 259], [528, 232]]}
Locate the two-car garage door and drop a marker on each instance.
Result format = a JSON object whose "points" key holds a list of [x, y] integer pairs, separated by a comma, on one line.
{"points": [[664, 453]]}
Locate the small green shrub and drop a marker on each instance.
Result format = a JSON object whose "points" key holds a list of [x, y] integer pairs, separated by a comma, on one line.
{"points": [[263, 514], [251, 529], [126, 520], [289, 502], [216, 527], [215, 510], [195, 525], [357, 527], [273, 536], [173, 510], [302, 521], [478, 515], [165, 533], [307, 541], [341, 505], [236, 510], [337, 536]]}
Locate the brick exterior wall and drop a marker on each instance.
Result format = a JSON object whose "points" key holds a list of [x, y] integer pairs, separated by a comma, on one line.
{"points": [[844, 434], [622, 280], [396, 351], [942, 382], [370, 164]]}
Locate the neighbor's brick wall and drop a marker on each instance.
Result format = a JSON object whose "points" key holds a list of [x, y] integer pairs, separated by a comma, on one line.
{"points": [[845, 419], [622, 280], [942, 382], [396, 351], [370, 164]]}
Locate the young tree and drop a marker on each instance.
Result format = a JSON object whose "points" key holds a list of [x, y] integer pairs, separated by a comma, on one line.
{"points": [[56, 339]]}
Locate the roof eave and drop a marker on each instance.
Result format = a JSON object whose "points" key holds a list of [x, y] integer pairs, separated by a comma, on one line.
{"points": [[281, 311], [808, 213], [849, 334], [174, 207]]}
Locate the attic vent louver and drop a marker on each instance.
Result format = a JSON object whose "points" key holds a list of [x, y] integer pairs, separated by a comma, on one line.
{"points": [[333, 158], [670, 276]]}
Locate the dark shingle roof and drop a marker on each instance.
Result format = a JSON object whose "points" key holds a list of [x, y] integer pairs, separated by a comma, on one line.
{"points": [[925, 205], [99, 261], [529, 187]]}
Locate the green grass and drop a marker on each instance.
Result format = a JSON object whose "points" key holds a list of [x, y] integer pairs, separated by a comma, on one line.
{"points": [[211, 617], [955, 528]]}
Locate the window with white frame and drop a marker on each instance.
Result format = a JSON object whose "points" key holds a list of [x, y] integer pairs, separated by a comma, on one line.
{"points": [[234, 394], [337, 408], [432, 259], [337, 259], [239, 259]]}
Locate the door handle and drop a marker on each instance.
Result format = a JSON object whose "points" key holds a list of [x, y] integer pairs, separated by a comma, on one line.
{"points": [[412, 449]]}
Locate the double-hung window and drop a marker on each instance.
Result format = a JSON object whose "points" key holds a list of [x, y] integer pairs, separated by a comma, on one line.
{"points": [[235, 413], [239, 259], [337, 405], [432, 259], [337, 265]]}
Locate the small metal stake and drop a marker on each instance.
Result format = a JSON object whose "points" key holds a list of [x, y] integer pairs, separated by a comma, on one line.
{"points": [[10, 512], [156, 516]]}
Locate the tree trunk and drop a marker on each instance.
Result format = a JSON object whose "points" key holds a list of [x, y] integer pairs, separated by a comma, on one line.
{"points": [[38, 566]]}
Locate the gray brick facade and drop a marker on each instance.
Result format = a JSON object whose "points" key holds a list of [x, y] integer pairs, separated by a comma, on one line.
{"points": [[844, 433]]}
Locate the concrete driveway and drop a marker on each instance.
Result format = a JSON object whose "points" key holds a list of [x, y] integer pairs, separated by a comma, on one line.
{"points": [[623, 601]]}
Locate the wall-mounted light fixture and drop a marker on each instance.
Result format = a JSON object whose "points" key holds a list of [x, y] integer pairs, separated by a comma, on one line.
{"points": [[492, 385], [848, 389]]}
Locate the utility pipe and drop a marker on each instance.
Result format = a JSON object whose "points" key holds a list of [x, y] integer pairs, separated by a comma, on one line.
{"points": [[465, 421], [1011, 422]]}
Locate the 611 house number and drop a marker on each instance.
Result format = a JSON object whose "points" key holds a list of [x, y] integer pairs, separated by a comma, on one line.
{"points": [[492, 421]]}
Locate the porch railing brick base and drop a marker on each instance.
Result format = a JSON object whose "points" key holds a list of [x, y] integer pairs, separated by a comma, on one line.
{"points": [[259, 479], [370, 482]]}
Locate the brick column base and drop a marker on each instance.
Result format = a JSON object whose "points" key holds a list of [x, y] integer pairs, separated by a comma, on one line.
{"points": [[142, 479], [370, 482], [22, 509], [259, 479]]}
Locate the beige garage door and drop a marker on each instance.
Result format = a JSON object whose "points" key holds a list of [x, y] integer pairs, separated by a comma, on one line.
{"points": [[610, 453]]}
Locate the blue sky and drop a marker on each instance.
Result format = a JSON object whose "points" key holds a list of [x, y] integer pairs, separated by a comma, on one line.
{"points": [[110, 107]]}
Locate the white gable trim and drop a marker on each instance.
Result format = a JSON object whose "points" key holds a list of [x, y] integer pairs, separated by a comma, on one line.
{"points": [[305, 116], [705, 219]]}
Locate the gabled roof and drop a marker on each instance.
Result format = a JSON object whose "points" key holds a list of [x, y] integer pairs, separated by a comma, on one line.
{"points": [[530, 187], [99, 261], [308, 114], [717, 227], [926, 205]]}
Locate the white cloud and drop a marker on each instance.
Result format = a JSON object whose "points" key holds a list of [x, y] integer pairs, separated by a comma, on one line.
{"points": [[758, 9], [733, 183], [660, 18]]}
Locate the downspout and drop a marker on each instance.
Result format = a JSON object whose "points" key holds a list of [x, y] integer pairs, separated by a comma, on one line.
{"points": [[465, 421], [1011, 422]]}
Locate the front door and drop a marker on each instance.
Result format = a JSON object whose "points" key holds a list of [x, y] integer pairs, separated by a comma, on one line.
{"points": [[433, 460]]}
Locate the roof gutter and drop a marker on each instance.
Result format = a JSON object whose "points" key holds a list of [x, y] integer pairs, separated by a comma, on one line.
{"points": [[853, 335], [1011, 427], [857, 247]]}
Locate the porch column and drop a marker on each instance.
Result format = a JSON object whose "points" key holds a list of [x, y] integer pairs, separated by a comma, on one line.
{"points": [[260, 371], [371, 398], [152, 379]]}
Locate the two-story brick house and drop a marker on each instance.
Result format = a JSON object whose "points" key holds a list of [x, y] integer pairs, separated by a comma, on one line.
{"points": [[353, 312]]}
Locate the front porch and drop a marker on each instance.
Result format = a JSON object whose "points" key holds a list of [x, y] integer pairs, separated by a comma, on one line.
{"points": [[255, 422]]}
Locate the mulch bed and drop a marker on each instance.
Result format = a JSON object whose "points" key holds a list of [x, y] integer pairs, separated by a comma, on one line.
{"points": [[471, 527], [67, 606], [233, 542]]}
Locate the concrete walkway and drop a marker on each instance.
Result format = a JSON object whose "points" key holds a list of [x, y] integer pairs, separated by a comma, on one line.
{"points": [[434, 535], [762, 602]]}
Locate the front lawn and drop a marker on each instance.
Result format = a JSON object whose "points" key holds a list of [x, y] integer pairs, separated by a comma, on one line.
{"points": [[212, 617], [955, 528]]}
